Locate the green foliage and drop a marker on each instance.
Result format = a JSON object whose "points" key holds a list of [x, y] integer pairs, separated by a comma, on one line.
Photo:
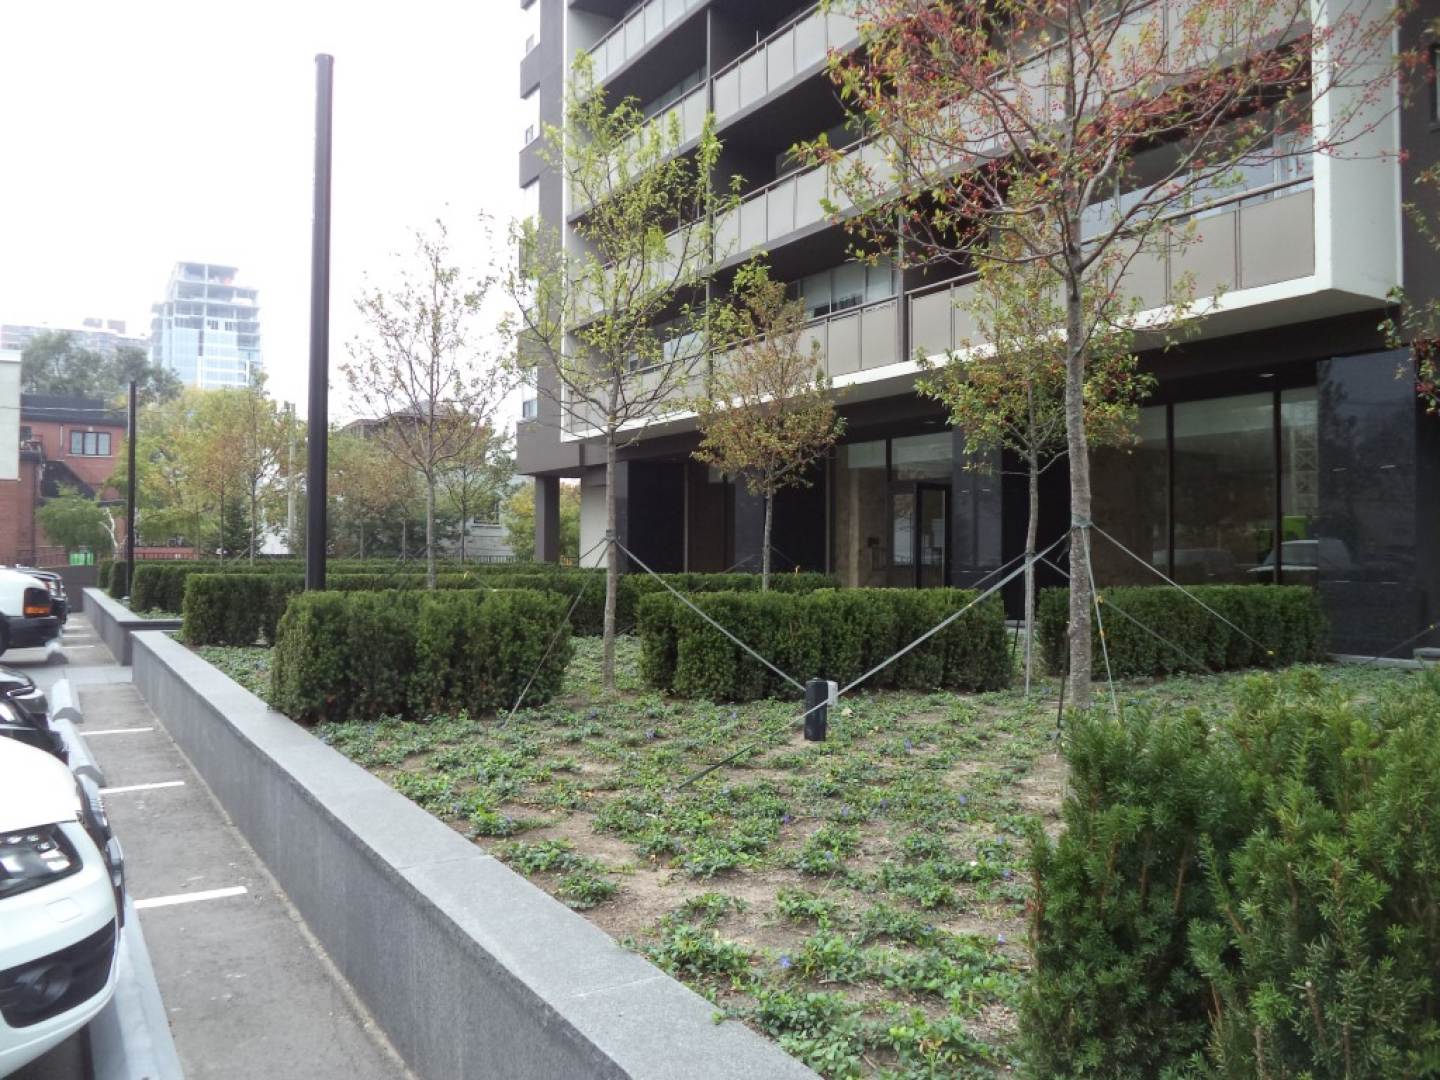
{"points": [[1286, 623], [835, 634], [73, 521], [54, 363], [686, 949], [518, 515], [235, 609], [361, 655], [1253, 899]]}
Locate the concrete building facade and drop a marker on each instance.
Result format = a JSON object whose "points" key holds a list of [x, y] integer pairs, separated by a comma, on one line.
{"points": [[207, 329], [1284, 442]]}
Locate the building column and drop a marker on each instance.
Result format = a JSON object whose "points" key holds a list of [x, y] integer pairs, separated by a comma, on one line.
{"points": [[547, 519]]}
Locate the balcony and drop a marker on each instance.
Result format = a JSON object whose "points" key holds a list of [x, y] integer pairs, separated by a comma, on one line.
{"points": [[688, 112], [630, 37], [1252, 239], [794, 49]]}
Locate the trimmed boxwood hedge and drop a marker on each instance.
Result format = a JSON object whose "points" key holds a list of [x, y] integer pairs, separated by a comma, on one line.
{"points": [[238, 608], [1285, 620], [362, 655], [829, 633]]}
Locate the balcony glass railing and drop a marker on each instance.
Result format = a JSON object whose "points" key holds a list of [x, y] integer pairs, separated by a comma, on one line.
{"points": [[631, 35], [796, 47], [689, 111], [1253, 238]]}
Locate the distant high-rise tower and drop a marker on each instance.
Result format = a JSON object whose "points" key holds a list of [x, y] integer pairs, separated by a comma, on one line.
{"points": [[207, 329]]}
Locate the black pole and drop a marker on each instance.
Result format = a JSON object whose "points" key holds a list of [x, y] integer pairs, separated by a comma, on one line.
{"points": [[319, 408], [130, 432]]}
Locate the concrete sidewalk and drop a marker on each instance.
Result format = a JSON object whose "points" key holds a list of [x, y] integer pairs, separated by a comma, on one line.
{"points": [[247, 990]]}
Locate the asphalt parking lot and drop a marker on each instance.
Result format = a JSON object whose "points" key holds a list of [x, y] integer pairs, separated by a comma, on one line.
{"points": [[243, 989]]}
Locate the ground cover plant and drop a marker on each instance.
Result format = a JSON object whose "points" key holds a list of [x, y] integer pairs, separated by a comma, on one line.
{"points": [[862, 901]]}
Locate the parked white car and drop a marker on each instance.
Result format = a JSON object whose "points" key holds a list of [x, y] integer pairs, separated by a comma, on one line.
{"points": [[60, 911], [29, 616]]}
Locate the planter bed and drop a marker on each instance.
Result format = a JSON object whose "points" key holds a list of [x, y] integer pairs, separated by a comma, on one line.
{"points": [[861, 901]]}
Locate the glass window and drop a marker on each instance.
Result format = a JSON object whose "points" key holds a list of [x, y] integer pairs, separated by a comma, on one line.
{"points": [[862, 525], [879, 282], [104, 444], [1224, 490], [923, 457], [1131, 501], [77, 442], [848, 286]]}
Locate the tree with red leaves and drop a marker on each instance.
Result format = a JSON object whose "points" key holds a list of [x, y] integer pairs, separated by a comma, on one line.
{"points": [[1083, 133]]}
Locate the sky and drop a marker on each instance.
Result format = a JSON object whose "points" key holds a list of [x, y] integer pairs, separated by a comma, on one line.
{"points": [[140, 133]]}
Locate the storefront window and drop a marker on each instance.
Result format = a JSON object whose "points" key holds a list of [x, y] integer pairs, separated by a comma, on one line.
{"points": [[1224, 490], [1131, 501], [923, 457], [862, 519]]}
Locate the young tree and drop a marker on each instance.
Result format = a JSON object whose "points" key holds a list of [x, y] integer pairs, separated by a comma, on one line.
{"points": [[368, 486], [612, 328], [1006, 391], [1081, 129], [768, 413], [260, 433], [477, 480], [73, 521], [519, 518], [421, 371]]}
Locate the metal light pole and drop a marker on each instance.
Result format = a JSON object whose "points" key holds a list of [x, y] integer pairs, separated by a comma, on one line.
{"points": [[130, 438], [319, 408]]}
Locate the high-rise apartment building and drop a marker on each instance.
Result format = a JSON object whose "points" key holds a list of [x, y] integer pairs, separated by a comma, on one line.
{"points": [[1279, 445], [207, 329], [103, 336]]}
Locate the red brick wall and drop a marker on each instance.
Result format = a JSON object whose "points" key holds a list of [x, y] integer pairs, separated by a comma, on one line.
{"points": [[19, 535], [54, 437]]}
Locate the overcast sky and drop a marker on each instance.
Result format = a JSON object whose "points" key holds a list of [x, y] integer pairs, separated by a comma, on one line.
{"points": [[139, 133]]}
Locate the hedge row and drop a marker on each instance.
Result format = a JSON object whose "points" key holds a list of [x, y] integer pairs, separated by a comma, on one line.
{"points": [[831, 634], [358, 656], [161, 585], [238, 609], [1254, 897], [1286, 623]]}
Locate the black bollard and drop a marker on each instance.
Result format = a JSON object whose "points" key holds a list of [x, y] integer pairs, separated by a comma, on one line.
{"points": [[819, 693]]}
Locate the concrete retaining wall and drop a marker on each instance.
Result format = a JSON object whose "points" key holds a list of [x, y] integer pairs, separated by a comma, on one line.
{"points": [[470, 969], [115, 623]]}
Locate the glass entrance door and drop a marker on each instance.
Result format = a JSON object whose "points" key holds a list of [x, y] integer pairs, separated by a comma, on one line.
{"points": [[932, 536], [919, 536]]}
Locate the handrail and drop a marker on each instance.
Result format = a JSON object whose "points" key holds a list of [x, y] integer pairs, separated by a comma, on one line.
{"points": [[767, 39]]}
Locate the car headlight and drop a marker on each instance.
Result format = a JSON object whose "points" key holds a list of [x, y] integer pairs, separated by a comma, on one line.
{"points": [[35, 857]]}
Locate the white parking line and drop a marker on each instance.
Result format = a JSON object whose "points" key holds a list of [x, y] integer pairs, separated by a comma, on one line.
{"points": [[141, 787], [117, 731], [190, 898]]}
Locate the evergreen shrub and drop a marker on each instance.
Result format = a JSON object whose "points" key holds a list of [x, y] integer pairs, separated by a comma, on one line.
{"points": [[1286, 621], [362, 655], [827, 633], [1257, 898]]}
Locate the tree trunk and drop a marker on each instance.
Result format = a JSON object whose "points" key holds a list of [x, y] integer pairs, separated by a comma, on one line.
{"points": [[405, 539], [1031, 529], [612, 569], [362, 540], [464, 529], [765, 546], [430, 533], [254, 524], [1075, 441]]}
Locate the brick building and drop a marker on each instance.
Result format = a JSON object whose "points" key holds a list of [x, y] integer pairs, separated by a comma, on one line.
{"points": [[61, 442]]}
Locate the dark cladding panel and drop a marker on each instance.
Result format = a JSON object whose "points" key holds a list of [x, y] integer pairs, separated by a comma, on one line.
{"points": [[1366, 532], [975, 516]]}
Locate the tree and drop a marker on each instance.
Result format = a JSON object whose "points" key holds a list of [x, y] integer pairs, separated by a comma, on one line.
{"points": [[477, 480], [613, 329], [73, 521], [1007, 390], [53, 363], [263, 437], [519, 518], [368, 487], [420, 372], [769, 411], [1081, 130]]}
